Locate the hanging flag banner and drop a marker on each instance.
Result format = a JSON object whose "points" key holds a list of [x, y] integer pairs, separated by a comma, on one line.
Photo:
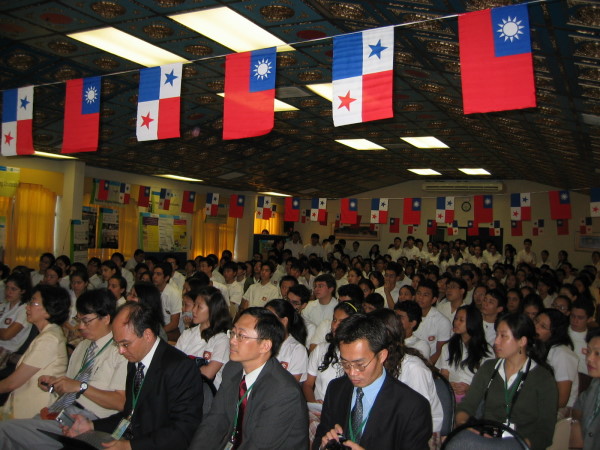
{"points": [[291, 209], [263, 207], [318, 209], [412, 211], [538, 227], [595, 202], [236, 205], [212, 204], [516, 228], [520, 206], [349, 211], [17, 122], [144, 196], [431, 227], [444, 209], [82, 115], [560, 205], [483, 210], [395, 225], [585, 226], [379, 210], [9, 181]]}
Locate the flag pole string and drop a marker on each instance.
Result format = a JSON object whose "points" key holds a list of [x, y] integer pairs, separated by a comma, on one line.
{"points": [[297, 43]]}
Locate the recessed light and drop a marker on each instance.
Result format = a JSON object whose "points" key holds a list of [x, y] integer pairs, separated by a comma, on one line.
{"points": [[278, 106], [52, 155], [424, 171], [360, 144], [424, 142], [127, 46], [179, 178], [475, 171], [275, 194], [230, 29], [230, 175], [325, 90]]}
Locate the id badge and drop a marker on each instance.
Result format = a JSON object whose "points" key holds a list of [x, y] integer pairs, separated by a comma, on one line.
{"points": [[228, 446], [506, 434], [121, 428]]}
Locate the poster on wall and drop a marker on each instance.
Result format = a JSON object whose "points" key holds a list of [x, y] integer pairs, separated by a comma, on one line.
{"points": [[90, 215], [79, 241], [9, 181], [108, 228], [163, 233]]}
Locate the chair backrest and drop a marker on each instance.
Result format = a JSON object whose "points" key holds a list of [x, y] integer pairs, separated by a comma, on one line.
{"points": [[446, 396], [467, 437], [209, 391]]}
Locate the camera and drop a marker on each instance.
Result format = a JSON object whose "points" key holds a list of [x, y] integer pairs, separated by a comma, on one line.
{"points": [[337, 445], [64, 419]]}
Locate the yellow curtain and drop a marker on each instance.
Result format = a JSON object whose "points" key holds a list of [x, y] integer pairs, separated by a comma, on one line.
{"points": [[31, 230], [274, 225], [210, 238], [6, 208]]}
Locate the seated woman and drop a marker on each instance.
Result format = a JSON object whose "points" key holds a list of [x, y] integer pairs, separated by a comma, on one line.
{"points": [[585, 429], [118, 286], [14, 327], [143, 292], [208, 341], [47, 310], [292, 354], [516, 389], [466, 350]]}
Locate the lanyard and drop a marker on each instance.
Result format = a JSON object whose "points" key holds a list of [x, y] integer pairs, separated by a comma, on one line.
{"points": [[361, 427], [85, 365], [517, 385], [135, 398], [237, 411]]}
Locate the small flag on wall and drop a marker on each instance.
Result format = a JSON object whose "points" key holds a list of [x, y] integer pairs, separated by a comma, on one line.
{"points": [[444, 210], [562, 227], [236, 205], [263, 207], [103, 188], [349, 211], [585, 226], [560, 205], [472, 228], [125, 193], [520, 206], [164, 201], [412, 229], [188, 201], [379, 210], [538, 227], [412, 211], [495, 229], [292, 209], [595, 202], [453, 229], [431, 227], [212, 204], [144, 196], [395, 225], [516, 228]]}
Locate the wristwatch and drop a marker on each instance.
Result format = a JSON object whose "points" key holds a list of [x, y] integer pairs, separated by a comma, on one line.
{"points": [[82, 388]]}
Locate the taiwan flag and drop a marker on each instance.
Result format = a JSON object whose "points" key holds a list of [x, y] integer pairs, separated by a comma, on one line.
{"points": [[318, 209], [103, 190], [292, 209], [379, 210], [412, 211], [144, 196], [363, 76], [17, 122], [560, 205], [483, 210], [444, 210], [349, 211], [82, 115], [395, 225], [212, 204], [249, 106], [595, 202], [496, 64], [159, 98], [263, 207], [472, 228], [431, 227], [516, 228], [520, 206], [236, 205], [562, 227], [188, 201]]}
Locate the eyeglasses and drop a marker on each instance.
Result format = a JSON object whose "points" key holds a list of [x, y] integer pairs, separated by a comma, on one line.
{"points": [[32, 303], [239, 337], [559, 307], [348, 366], [85, 321]]}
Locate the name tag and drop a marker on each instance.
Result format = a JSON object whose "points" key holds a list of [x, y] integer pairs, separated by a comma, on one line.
{"points": [[121, 428]]}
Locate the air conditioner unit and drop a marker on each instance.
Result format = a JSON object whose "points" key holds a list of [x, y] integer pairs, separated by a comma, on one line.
{"points": [[463, 186]]}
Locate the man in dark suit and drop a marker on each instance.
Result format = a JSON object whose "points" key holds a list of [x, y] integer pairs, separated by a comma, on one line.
{"points": [[368, 406], [259, 404], [163, 404]]}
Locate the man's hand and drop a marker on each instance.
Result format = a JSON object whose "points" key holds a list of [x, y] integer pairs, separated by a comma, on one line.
{"points": [[333, 434], [117, 445], [45, 381], [63, 385], [82, 425]]}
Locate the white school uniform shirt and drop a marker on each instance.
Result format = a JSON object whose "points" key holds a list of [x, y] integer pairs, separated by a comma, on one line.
{"points": [[395, 292], [394, 253], [293, 357], [323, 378], [171, 302], [564, 362], [579, 345], [8, 316], [433, 328], [235, 291], [446, 309], [215, 349], [224, 291], [296, 248], [315, 313], [490, 332], [458, 374], [418, 344], [177, 280], [259, 294]]}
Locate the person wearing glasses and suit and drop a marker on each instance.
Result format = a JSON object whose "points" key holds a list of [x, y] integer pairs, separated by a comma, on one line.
{"points": [[259, 404], [370, 408]]}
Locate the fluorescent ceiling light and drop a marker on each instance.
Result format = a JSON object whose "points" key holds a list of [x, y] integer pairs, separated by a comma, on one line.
{"points": [[179, 178], [424, 171], [275, 194], [127, 46], [360, 144], [325, 90], [279, 105], [52, 155], [425, 142], [230, 29], [475, 171]]}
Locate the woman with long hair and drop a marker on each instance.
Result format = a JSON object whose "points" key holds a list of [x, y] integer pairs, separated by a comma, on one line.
{"points": [[517, 388], [292, 354], [108, 269], [466, 350], [118, 286], [148, 293], [354, 276], [552, 328], [14, 327], [208, 341]]}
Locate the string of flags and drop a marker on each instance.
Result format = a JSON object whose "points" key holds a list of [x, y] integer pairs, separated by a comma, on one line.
{"points": [[362, 76]]}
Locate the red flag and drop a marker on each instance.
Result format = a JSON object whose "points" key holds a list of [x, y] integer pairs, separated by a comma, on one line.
{"points": [[516, 228], [323, 219], [357, 224], [562, 226], [412, 211], [291, 209], [496, 64], [187, 204], [82, 115], [431, 227], [483, 210], [249, 107], [472, 228], [103, 188], [349, 211], [144, 196], [236, 205], [560, 205], [394, 225], [412, 229]]}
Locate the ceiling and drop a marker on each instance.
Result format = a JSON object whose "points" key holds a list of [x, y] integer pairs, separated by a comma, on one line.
{"points": [[557, 143]]}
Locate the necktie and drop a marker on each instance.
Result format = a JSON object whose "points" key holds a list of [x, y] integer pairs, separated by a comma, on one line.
{"points": [[138, 379], [241, 409], [357, 415], [69, 398]]}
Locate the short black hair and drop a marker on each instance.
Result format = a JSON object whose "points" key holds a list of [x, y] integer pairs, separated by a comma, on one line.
{"points": [[592, 333], [97, 301], [363, 326], [328, 279], [432, 285], [112, 266], [138, 251], [288, 278], [412, 310], [198, 280], [166, 267], [353, 291], [585, 304], [142, 316], [230, 265], [119, 256], [375, 299], [49, 256], [57, 302], [268, 327], [301, 291]]}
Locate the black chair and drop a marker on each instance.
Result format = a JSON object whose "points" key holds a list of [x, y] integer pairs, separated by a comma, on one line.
{"points": [[446, 395], [475, 435], [209, 391], [14, 358]]}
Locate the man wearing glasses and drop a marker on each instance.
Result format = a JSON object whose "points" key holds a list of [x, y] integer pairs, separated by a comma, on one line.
{"points": [[366, 406], [259, 404], [94, 385]]}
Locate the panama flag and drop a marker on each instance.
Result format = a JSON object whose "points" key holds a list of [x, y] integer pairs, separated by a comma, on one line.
{"points": [[212, 204], [585, 226], [188, 201], [124, 193], [444, 210], [144, 196], [412, 211], [520, 206], [379, 210], [483, 210], [263, 207], [164, 201], [560, 205], [291, 209], [82, 115], [318, 209], [595, 202], [236, 205], [516, 228], [17, 120], [496, 64], [249, 106], [495, 229], [538, 227], [349, 211], [159, 102], [431, 227], [453, 229], [363, 76]]}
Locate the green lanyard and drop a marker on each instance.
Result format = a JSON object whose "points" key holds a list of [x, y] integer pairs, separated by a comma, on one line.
{"points": [[237, 411], [85, 365], [361, 427], [135, 398], [509, 393]]}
